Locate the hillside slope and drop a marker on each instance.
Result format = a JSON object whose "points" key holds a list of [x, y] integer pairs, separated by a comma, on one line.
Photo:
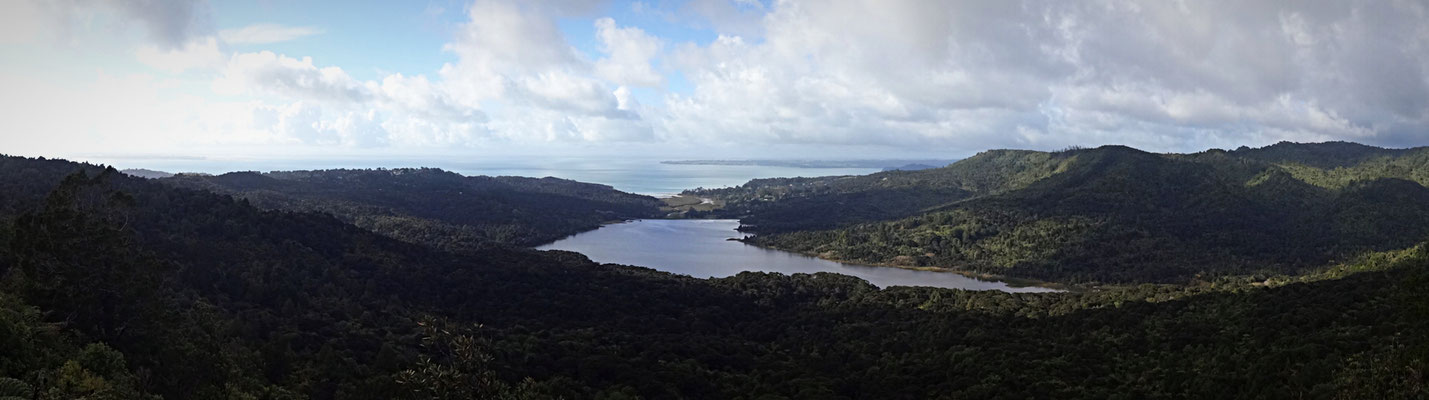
{"points": [[790, 204], [118, 287], [1116, 214], [1326, 155], [432, 206]]}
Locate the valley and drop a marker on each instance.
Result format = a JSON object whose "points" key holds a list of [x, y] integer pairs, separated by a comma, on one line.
{"points": [[714, 199], [705, 248], [1196, 275]]}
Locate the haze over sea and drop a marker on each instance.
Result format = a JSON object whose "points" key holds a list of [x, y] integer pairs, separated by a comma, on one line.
{"points": [[640, 175]]}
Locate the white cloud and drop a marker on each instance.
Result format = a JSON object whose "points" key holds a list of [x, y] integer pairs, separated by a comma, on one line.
{"points": [[330, 107], [730, 17], [41, 113], [171, 23], [299, 121], [267, 72], [959, 76], [513, 55], [197, 54], [265, 34], [167, 24], [1172, 76], [24, 21], [417, 95], [629, 52]]}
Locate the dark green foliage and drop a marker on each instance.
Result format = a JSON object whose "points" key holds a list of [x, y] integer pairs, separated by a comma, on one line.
{"points": [[435, 207], [1327, 155], [1115, 214], [15, 389], [456, 364], [239, 302], [98, 372], [1410, 165], [25, 182], [310, 301], [789, 204], [75, 258], [43, 360]]}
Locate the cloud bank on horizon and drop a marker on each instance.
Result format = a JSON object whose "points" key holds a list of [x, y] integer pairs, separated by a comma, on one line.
{"points": [[924, 76]]}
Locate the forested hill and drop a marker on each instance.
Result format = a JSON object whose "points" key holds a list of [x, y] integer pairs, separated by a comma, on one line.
{"points": [[119, 287], [788, 204], [433, 206], [1111, 214], [1327, 155]]}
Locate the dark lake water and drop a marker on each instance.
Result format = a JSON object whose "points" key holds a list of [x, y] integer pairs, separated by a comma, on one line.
{"points": [[700, 248]]}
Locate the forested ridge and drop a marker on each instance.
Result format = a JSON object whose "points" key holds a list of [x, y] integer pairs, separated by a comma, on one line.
{"points": [[436, 207], [789, 204], [119, 287], [1107, 215]]}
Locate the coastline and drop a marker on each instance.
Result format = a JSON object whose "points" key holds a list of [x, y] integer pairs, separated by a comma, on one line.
{"points": [[601, 225], [1014, 282], [1011, 281]]}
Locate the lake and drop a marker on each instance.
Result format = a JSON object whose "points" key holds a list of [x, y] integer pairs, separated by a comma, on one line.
{"points": [[700, 248]]}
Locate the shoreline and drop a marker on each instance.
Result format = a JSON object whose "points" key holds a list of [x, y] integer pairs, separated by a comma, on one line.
{"points": [[1013, 282], [983, 276]]}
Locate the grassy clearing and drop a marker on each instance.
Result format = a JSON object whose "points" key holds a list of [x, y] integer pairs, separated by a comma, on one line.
{"points": [[685, 203]]}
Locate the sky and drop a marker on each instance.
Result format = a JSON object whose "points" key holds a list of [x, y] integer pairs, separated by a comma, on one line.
{"points": [[704, 78]]}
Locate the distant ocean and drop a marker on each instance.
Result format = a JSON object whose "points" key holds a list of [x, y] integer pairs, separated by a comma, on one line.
{"points": [[643, 176]]}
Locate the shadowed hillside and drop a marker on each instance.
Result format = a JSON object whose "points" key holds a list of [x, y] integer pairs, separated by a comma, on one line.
{"points": [[437, 207], [119, 287], [1116, 214], [788, 204]]}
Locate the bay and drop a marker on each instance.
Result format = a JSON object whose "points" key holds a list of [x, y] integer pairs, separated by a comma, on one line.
{"points": [[700, 248]]}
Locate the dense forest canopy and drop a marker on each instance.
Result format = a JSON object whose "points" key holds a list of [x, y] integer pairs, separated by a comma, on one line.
{"points": [[1106, 215], [120, 287], [436, 207]]}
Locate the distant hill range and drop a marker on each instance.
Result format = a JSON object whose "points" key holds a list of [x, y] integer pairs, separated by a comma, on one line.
{"points": [[146, 173], [436, 207], [911, 167], [880, 164], [1109, 214]]}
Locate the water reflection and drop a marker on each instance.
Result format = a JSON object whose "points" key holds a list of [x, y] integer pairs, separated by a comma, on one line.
{"points": [[701, 248]]}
